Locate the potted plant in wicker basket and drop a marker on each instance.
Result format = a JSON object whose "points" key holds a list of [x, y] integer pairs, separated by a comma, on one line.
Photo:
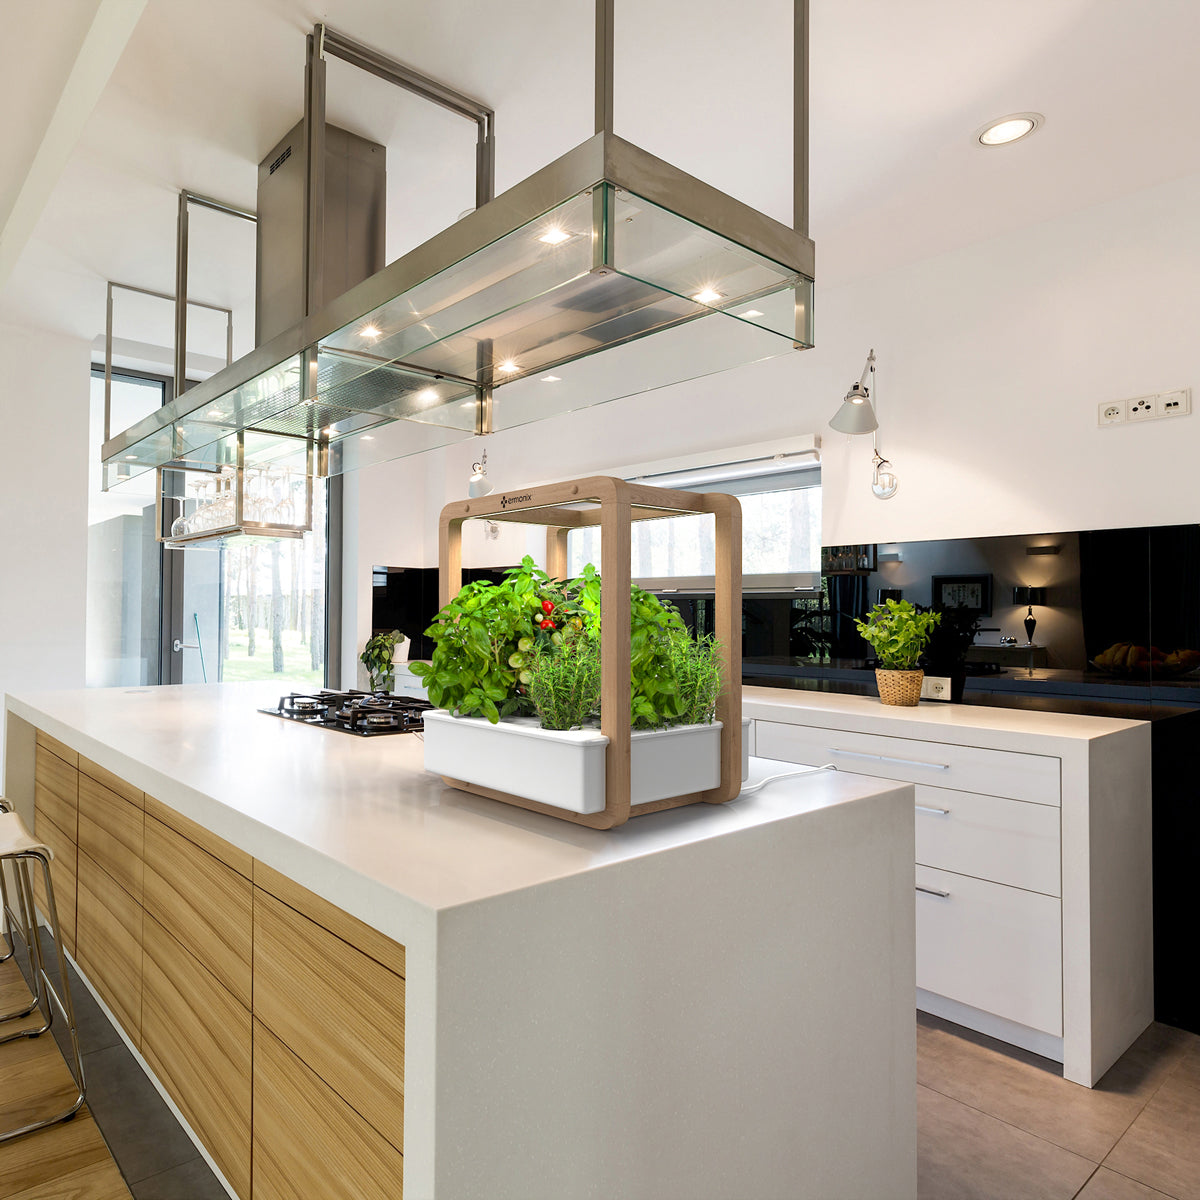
{"points": [[898, 633]]}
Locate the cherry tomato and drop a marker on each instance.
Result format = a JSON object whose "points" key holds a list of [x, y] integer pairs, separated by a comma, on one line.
{"points": [[547, 607], [547, 624]]}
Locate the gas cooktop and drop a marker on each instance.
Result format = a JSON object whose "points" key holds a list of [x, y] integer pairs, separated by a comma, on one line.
{"points": [[364, 713]]}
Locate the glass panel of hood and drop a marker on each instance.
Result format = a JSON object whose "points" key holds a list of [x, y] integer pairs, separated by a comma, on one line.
{"points": [[530, 304]]}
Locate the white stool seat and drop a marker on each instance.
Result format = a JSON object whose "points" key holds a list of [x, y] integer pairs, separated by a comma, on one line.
{"points": [[15, 838]]}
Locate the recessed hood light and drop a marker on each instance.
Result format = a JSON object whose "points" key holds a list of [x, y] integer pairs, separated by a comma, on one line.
{"points": [[554, 236], [1009, 129], [708, 295]]}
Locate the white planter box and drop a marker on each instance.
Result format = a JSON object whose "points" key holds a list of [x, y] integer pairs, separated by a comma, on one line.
{"points": [[566, 768]]}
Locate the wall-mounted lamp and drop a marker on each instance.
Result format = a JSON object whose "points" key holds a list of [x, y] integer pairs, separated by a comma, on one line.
{"points": [[856, 414], [478, 484], [1030, 596]]}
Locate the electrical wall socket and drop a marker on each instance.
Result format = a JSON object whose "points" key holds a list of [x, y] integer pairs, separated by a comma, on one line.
{"points": [[935, 687], [1173, 404], [1177, 403]]}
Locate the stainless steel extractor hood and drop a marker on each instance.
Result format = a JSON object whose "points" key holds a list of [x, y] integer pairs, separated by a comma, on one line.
{"points": [[606, 273]]}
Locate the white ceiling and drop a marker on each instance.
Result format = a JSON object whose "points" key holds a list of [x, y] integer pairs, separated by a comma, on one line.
{"points": [[203, 91]]}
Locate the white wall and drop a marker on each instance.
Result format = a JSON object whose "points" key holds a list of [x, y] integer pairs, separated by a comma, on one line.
{"points": [[44, 384], [992, 360]]}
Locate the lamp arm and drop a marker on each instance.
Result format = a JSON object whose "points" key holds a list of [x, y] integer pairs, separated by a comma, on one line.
{"points": [[868, 370]]}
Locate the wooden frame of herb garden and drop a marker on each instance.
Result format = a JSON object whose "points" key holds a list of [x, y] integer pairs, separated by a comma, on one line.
{"points": [[613, 505]]}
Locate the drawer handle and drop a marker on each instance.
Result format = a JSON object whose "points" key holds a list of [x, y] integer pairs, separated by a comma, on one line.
{"points": [[933, 892], [907, 762], [941, 812]]}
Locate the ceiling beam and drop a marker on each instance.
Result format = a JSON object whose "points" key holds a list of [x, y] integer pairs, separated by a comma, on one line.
{"points": [[103, 44]]}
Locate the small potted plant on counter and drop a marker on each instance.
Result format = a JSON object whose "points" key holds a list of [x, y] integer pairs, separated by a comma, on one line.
{"points": [[378, 656], [898, 633]]}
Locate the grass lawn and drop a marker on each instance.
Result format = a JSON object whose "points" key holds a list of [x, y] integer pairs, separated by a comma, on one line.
{"points": [[239, 667]]}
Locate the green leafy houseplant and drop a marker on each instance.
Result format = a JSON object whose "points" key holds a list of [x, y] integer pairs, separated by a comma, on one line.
{"points": [[897, 633], [377, 657], [493, 641]]}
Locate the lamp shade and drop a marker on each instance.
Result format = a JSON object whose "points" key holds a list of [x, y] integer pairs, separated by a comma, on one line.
{"points": [[1029, 595], [855, 414]]}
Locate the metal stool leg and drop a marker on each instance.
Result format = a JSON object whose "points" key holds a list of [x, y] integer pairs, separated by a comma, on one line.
{"points": [[5, 806], [19, 921], [47, 993]]}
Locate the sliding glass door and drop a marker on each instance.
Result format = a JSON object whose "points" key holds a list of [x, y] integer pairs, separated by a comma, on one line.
{"points": [[242, 609]]}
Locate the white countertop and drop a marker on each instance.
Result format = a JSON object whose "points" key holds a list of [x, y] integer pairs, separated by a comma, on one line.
{"points": [[358, 820], [962, 724]]}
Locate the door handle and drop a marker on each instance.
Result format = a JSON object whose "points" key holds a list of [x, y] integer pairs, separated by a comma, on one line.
{"points": [[933, 892], [178, 645], [941, 812], [905, 762]]}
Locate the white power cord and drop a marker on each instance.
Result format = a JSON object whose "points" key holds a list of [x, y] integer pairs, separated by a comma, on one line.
{"points": [[750, 788]]}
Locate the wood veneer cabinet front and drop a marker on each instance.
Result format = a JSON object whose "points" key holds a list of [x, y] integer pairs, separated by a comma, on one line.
{"points": [[111, 832], [109, 948], [197, 1037], [56, 822], [307, 1141], [337, 1009], [274, 1019], [206, 905]]}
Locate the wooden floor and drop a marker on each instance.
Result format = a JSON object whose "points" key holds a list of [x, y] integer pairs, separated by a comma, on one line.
{"points": [[69, 1159]]}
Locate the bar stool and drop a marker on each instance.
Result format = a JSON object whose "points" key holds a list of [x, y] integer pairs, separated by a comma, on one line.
{"points": [[19, 852]]}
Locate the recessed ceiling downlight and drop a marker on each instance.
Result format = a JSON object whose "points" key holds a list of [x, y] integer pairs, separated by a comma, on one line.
{"points": [[1009, 129]]}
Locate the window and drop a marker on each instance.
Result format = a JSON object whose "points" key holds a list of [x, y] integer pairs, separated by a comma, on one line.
{"points": [[781, 540]]}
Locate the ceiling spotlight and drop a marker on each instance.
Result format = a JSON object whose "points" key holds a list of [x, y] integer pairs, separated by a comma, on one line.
{"points": [[131, 456], [750, 312], [371, 332], [707, 295], [856, 414], [508, 366], [328, 431], [551, 378], [478, 483], [366, 437], [554, 236], [212, 412], [428, 395], [1009, 129]]}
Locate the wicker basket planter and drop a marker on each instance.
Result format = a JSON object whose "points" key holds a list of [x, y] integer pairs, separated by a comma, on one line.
{"points": [[899, 687]]}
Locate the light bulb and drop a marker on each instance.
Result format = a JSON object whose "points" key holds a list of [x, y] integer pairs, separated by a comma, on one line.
{"points": [[508, 366], [554, 236], [708, 295], [884, 483]]}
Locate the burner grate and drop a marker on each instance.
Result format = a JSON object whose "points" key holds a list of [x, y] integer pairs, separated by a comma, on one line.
{"points": [[366, 714]]}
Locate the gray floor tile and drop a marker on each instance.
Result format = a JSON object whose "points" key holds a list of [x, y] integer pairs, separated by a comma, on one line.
{"points": [[141, 1131], [1030, 1092], [963, 1154], [189, 1181], [1108, 1185], [1162, 1147]]}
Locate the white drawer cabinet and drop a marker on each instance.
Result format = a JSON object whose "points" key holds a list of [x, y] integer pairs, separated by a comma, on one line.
{"points": [[996, 948], [989, 837], [1031, 777], [1036, 827]]}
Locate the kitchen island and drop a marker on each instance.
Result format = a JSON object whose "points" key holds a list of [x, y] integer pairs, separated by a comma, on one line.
{"points": [[349, 978]]}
